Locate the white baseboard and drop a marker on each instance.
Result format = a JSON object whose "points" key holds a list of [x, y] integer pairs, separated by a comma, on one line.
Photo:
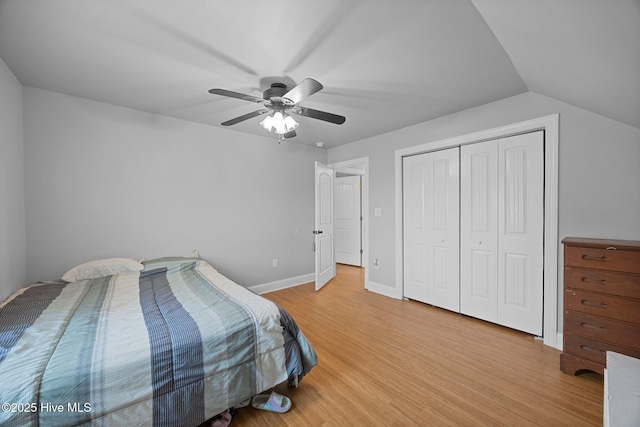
{"points": [[282, 284], [381, 289], [559, 341]]}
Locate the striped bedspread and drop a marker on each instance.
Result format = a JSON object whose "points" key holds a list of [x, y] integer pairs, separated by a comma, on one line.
{"points": [[172, 345]]}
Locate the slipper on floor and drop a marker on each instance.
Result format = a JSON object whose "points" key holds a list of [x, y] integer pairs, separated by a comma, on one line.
{"points": [[273, 402]]}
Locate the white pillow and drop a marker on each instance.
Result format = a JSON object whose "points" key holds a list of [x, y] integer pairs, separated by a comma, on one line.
{"points": [[101, 268], [193, 254]]}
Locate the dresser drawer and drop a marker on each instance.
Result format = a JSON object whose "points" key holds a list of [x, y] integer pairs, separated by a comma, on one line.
{"points": [[602, 305], [625, 285], [603, 259], [601, 329], [592, 349]]}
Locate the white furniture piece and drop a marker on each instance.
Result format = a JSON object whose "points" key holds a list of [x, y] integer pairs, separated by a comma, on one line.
{"points": [[621, 391]]}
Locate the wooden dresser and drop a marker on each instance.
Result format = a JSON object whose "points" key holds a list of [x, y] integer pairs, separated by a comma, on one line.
{"points": [[601, 302]]}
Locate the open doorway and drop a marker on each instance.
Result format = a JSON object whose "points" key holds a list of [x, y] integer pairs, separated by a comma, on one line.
{"points": [[347, 227], [358, 169]]}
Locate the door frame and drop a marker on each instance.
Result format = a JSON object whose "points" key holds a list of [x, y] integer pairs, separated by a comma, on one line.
{"points": [[550, 125], [360, 166]]}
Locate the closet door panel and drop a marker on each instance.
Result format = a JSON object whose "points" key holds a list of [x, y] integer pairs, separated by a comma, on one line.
{"points": [[431, 228], [415, 250], [443, 229], [520, 232], [479, 230]]}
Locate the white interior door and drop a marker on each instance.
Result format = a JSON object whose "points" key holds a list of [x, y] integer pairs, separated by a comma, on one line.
{"points": [[479, 230], [443, 225], [431, 228], [348, 220], [414, 180], [323, 233], [521, 231]]}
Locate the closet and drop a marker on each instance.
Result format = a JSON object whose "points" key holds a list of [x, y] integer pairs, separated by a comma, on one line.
{"points": [[473, 230]]}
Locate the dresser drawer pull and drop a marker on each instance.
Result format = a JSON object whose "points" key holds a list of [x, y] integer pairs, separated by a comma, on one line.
{"points": [[589, 280], [593, 304], [594, 258], [592, 350], [586, 325]]}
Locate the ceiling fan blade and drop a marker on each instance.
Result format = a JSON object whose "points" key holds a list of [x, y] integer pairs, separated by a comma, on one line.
{"points": [[238, 95], [244, 117], [290, 134], [320, 115], [304, 89]]}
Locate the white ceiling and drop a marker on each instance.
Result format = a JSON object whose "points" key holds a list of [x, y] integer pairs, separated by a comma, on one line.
{"points": [[384, 64]]}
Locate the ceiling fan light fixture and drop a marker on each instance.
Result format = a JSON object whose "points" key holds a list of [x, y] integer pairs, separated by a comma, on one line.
{"points": [[277, 101], [267, 123], [279, 122], [289, 123]]}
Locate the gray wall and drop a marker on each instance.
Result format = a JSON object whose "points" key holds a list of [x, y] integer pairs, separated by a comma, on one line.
{"points": [[599, 171], [106, 181], [12, 227], [102, 180]]}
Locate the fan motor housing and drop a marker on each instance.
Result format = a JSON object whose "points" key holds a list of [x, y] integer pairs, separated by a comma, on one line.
{"points": [[275, 91]]}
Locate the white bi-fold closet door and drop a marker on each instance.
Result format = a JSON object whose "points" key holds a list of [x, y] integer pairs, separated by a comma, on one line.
{"points": [[431, 228], [501, 229], [500, 224]]}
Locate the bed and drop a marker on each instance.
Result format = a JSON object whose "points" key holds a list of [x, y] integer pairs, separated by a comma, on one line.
{"points": [[171, 343]]}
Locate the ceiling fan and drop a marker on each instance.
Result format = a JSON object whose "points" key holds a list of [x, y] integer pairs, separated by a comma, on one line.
{"points": [[279, 102]]}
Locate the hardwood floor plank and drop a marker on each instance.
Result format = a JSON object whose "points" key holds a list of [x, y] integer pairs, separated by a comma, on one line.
{"points": [[390, 362]]}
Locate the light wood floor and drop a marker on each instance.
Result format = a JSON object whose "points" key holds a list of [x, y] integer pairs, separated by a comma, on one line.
{"points": [[386, 362]]}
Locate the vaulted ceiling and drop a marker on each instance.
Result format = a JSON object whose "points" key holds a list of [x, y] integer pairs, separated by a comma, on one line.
{"points": [[384, 64]]}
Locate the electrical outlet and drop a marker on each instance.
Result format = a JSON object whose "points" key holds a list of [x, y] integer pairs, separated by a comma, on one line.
{"points": [[376, 263], [275, 262]]}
